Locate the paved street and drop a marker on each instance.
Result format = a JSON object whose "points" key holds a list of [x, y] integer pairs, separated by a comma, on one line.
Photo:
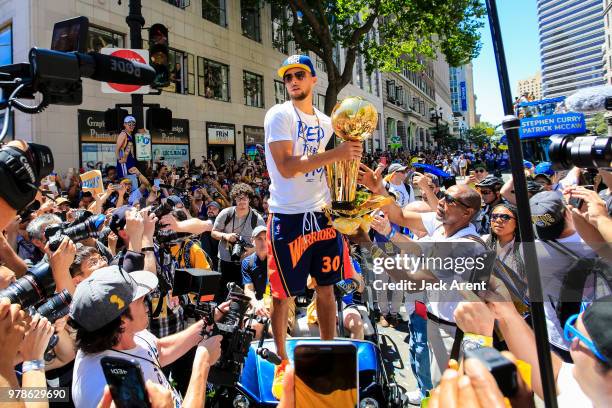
{"points": [[395, 352]]}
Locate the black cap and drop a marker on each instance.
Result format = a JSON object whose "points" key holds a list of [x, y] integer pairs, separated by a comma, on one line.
{"points": [[118, 218], [597, 320], [547, 212]]}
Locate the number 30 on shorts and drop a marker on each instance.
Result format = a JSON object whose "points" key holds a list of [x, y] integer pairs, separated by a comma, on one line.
{"points": [[329, 264]]}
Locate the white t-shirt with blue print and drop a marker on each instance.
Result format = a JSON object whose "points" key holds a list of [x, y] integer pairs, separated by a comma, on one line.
{"points": [[309, 134]]}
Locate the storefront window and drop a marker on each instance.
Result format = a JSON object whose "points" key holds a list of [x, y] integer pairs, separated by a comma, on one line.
{"points": [[250, 19], [280, 92], [6, 45], [253, 90], [213, 80], [98, 38], [215, 11]]}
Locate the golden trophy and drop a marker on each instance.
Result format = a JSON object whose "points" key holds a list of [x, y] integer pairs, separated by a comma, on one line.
{"points": [[353, 119]]}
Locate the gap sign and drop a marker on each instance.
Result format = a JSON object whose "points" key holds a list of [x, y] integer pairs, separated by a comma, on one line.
{"points": [[564, 123]]}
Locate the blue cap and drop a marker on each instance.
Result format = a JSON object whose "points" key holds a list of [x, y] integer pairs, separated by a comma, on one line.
{"points": [[297, 61], [527, 164], [544, 168]]}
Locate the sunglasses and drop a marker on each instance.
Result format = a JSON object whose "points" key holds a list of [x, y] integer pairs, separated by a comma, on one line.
{"points": [[570, 332], [452, 200], [503, 217], [131, 123], [300, 75]]}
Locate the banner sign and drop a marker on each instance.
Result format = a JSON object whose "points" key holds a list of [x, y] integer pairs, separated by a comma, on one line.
{"points": [[220, 134], [91, 127], [563, 123], [143, 146], [92, 181], [178, 135], [463, 95], [176, 155]]}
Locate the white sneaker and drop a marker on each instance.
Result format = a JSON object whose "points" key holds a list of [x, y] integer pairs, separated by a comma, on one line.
{"points": [[414, 397]]}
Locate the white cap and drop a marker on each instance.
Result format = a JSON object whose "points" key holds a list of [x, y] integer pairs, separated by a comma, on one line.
{"points": [[129, 118]]}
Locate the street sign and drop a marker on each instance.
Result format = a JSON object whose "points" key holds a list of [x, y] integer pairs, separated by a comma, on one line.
{"points": [[143, 146], [141, 56]]}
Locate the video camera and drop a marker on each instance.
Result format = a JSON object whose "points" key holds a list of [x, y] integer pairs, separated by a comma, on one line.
{"points": [[78, 231], [237, 336]]}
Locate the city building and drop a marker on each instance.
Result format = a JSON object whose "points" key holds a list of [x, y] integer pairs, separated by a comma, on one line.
{"points": [[223, 60], [463, 100], [571, 45], [443, 114], [607, 57], [409, 98], [531, 86]]}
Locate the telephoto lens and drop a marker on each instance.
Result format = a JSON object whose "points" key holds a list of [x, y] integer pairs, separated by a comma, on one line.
{"points": [[586, 152], [77, 232], [30, 289], [56, 307]]}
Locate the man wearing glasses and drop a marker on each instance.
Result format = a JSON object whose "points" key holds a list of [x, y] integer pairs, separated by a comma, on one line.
{"points": [[300, 241], [124, 150], [450, 223]]}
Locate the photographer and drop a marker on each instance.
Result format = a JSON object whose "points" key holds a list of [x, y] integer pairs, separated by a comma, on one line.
{"points": [[234, 227], [110, 315]]}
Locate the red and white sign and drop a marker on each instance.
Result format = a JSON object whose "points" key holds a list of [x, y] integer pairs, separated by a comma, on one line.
{"points": [[141, 56]]}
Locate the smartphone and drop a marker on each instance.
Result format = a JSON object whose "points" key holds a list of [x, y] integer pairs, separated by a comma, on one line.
{"points": [[127, 386], [326, 374], [157, 182]]}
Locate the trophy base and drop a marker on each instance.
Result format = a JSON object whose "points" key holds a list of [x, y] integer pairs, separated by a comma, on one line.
{"points": [[343, 205]]}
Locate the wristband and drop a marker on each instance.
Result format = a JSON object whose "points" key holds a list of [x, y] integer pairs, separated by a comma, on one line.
{"points": [[477, 341], [391, 234], [148, 249], [32, 365]]}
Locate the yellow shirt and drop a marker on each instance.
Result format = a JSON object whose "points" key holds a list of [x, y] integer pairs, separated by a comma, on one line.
{"points": [[306, 397], [197, 257]]}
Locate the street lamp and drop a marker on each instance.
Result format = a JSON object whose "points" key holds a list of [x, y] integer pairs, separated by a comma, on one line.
{"points": [[436, 115]]}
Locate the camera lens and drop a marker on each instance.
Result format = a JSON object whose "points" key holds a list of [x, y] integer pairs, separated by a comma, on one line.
{"points": [[583, 151], [56, 307], [30, 289]]}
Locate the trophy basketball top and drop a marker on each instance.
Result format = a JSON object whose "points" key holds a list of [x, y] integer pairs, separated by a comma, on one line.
{"points": [[354, 119]]}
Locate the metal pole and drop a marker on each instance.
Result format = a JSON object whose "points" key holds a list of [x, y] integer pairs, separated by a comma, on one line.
{"points": [[511, 125], [136, 21]]}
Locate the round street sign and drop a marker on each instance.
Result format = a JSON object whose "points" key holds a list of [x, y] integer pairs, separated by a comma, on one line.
{"points": [[132, 56]]}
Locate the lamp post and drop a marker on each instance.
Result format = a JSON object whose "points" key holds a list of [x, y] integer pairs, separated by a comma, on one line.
{"points": [[436, 115]]}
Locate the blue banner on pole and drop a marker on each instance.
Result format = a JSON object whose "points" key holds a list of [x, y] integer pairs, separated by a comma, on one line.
{"points": [[463, 96], [563, 123]]}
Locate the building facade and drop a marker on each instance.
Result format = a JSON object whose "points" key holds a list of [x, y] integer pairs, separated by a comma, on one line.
{"points": [[571, 40], [463, 100], [224, 55], [607, 57], [531, 86], [408, 99], [443, 114]]}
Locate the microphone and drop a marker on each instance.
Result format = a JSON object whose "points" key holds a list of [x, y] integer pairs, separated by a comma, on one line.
{"points": [[589, 100], [108, 68], [268, 355]]}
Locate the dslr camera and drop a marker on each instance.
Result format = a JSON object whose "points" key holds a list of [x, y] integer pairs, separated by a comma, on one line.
{"points": [[76, 232], [238, 249]]}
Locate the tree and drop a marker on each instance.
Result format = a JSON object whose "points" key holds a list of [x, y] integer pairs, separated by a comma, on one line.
{"points": [[408, 33], [480, 133], [598, 123], [440, 133]]}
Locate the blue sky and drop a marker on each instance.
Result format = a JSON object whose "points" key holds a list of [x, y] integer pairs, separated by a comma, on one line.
{"points": [[519, 27]]}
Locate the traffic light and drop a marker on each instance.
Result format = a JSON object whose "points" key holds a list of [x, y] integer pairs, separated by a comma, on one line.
{"points": [[159, 118], [113, 119], [158, 54]]}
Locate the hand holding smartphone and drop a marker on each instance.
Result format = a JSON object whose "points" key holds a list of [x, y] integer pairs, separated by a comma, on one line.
{"points": [[127, 386]]}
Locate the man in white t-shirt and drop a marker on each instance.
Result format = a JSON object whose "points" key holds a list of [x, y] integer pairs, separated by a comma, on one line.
{"points": [[396, 183], [300, 241], [110, 315]]}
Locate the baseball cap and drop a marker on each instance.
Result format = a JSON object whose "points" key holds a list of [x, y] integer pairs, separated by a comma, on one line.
{"points": [[128, 119], [214, 204], [258, 230], [62, 200], [527, 164], [108, 292], [396, 167], [597, 319], [544, 168], [296, 61], [547, 211], [118, 218], [534, 187], [174, 200]]}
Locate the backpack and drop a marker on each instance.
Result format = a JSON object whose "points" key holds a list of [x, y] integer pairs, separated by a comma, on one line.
{"points": [[572, 288]]}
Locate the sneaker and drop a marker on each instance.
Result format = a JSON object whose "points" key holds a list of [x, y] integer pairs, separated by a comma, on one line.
{"points": [[382, 321], [414, 397], [277, 383]]}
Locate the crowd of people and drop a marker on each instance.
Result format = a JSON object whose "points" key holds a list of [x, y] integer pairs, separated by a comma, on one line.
{"points": [[114, 255]]}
